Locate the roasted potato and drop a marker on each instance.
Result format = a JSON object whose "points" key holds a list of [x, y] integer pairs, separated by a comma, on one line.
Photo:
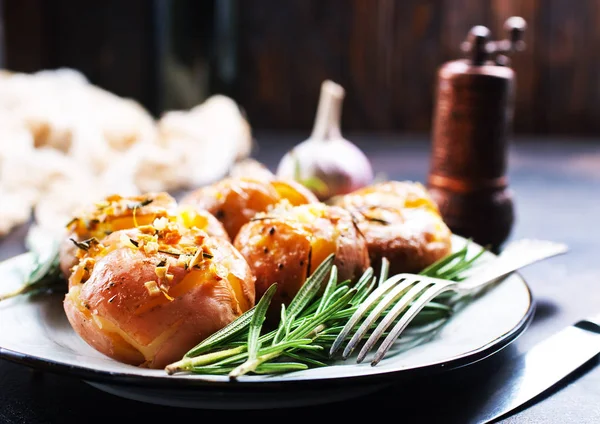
{"points": [[146, 295], [287, 243], [234, 201], [118, 213], [401, 222], [108, 215], [202, 219]]}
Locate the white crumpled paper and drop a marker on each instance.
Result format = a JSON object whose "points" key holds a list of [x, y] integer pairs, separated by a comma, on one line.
{"points": [[65, 142]]}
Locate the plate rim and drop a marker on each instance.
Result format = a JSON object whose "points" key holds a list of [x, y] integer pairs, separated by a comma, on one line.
{"points": [[197, 382]]}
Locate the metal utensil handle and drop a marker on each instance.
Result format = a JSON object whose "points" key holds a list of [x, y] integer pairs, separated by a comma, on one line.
{"points": [[517, 255]]}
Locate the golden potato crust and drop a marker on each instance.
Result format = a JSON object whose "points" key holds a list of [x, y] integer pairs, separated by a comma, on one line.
{"points": [[202, 219], [234, 201], [145, 296], [401, 222], [119, 213], [287, 243], [108, 215]]}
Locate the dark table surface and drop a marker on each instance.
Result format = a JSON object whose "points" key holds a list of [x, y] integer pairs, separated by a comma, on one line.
{"points": [[556, 183]]}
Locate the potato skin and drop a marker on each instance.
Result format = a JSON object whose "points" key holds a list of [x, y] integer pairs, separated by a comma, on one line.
{"points": [[234, 201], [114, 312], [286, 244], [401, 222]]}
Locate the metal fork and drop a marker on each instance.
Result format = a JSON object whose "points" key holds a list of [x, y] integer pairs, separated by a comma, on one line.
{"points": [[415, 291]]}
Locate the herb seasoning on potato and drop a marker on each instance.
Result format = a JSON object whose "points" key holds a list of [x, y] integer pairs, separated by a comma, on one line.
{"points": [[146, 295]]}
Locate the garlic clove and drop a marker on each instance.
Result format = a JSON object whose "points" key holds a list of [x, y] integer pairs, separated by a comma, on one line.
{"points": [[327, 163]]}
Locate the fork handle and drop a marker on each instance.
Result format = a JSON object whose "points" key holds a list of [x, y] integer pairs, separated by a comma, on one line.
{"points": [[517, 255]]}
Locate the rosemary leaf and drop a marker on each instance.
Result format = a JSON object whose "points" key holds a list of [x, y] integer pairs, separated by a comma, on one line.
{"points": [[306, 359], [279, 367], [257, 321], [364, 279], [45, 274], [310, 324], [224, 334], [319, 319], [306, 293], [281, 330], [329, 289], [433, 269], [337, 294], [385, 269], [282, 346], [362, 294], [187, 364], [310, 288]]}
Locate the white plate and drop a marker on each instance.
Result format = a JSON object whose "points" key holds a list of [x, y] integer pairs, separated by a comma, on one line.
{"points": [[35, 332]]}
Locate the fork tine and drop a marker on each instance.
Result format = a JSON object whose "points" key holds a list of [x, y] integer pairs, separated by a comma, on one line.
{"points": [[515, 256], [391, 316], [412, 312], [386, 301], [363, 308]]}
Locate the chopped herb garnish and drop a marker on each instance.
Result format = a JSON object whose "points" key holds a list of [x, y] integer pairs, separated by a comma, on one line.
{"points": [[170, 252], [378, 220], [71, 222], [261, 218], [140, 204], [85, 244]]}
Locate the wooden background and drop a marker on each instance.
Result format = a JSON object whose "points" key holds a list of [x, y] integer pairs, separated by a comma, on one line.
{"points": [[272, 55]]}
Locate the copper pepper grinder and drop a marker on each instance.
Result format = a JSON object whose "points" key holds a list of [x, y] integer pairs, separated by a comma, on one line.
{"points": [[471, 128]]}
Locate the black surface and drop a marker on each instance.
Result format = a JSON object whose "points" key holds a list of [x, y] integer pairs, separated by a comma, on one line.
{"points": [[557, 193]]}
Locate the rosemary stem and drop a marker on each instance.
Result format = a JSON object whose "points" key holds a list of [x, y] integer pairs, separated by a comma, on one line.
{"points": [[187, 364], [251, 365], [21, 290], [314, 333]]}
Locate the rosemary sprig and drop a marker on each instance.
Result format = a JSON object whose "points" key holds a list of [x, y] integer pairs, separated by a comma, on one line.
{"points": [[44, 274], [310, 323]]}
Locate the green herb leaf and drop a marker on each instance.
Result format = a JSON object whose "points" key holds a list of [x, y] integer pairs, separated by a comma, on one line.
{"points": [[257, 321], [44, 274], [310, 324], [310, 288], [280, 367], [306, 359], [226, 333], [306, 293], [141, 204], [85, 244], [385, 269], [329, 289]]}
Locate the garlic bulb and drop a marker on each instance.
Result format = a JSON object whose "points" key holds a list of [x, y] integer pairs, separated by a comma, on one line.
{"points": [[327, 163]]}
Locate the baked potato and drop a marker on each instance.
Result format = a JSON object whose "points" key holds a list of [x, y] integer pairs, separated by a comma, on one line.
{"points": [[234, 201], [202, 219], [400, 222], [108, 215], [287, 243], [117, 213], [145, 296]]}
